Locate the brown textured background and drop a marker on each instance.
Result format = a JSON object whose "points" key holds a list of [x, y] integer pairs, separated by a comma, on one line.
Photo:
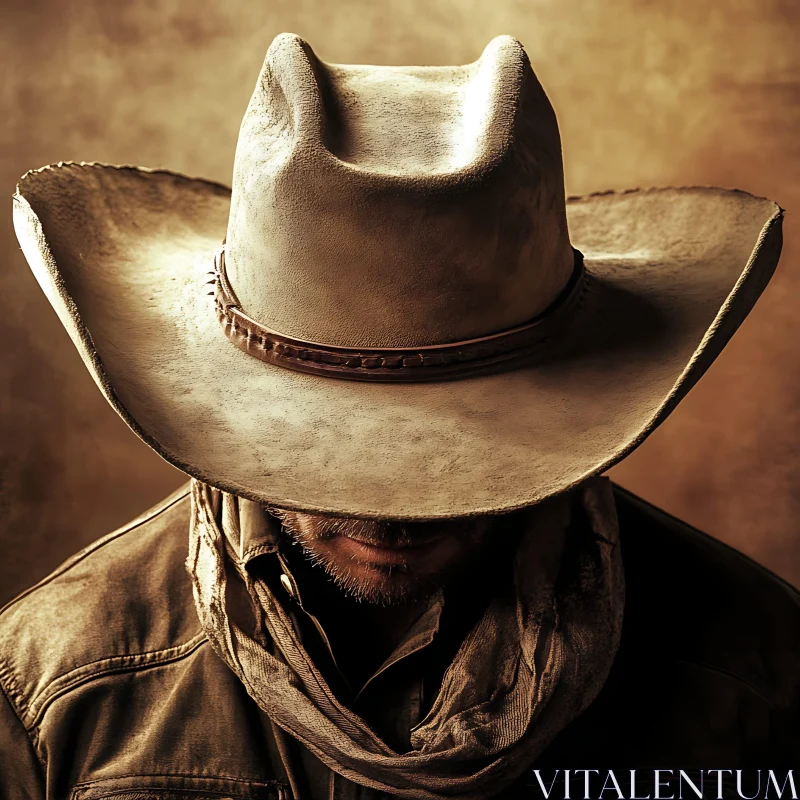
{"points": [[667, 92]]}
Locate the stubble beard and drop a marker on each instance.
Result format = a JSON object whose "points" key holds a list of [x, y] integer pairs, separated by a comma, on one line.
{"points": [[379, 584]]}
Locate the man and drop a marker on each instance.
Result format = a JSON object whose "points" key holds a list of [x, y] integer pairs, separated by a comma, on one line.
{"points": [[404, 577]]}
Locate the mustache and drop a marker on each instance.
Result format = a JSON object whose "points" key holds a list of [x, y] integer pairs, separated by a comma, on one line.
{"points": [[374, 532], [378, 533]]}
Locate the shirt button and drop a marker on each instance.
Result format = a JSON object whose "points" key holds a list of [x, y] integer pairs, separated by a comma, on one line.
{"points": [[287, 584]]}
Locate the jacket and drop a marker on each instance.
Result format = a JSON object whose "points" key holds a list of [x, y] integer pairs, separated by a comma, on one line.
{"points": [[111, 690]]}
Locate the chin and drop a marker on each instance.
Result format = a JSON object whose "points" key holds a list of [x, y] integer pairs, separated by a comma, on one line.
{"points": [[375, 563], [378, 583], [382, 584], [385, 592]]}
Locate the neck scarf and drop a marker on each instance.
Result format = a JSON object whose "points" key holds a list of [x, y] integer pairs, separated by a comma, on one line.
{"points": [[535, 660]]}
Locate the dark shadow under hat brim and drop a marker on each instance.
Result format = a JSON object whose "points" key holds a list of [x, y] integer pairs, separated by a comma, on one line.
{"points": [[124, 256]]}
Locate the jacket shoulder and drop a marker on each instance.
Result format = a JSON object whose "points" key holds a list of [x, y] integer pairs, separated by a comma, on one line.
{"points": [[708, 604], [122, 603]]}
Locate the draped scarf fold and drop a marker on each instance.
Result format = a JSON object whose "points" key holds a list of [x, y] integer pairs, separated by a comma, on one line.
{"points": [[535, 660]]}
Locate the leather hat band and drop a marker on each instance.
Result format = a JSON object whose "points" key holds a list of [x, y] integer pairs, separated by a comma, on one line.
{"points": [[498, 351]]}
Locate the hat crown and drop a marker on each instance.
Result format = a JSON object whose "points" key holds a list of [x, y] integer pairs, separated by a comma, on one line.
{"points": [[397, 206]]}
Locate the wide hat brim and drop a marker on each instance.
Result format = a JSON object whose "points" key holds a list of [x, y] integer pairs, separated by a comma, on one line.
{"points": [[124, 256]]}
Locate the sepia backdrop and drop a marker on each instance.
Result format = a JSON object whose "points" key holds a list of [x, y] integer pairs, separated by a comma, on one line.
{"points": [[647, 93]]}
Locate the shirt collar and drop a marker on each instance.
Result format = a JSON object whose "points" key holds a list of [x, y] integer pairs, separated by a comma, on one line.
{"points": [[249, 528]]}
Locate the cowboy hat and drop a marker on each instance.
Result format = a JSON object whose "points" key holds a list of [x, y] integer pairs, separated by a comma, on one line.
{"points": [[408, 319]]}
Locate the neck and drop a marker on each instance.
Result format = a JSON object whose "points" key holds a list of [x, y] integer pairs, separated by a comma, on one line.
{"points": [[361, 635], [364, 635]]}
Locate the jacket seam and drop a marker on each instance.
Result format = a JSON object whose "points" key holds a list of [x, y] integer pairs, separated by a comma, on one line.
{"points": [[10, 687], [32, 738], [147, 516], [245, 781], [109, 666], [706, 537], [731, 676]]}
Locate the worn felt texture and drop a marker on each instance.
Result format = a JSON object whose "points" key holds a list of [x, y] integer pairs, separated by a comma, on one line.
{"points": [[124, 255], [397, 206]]}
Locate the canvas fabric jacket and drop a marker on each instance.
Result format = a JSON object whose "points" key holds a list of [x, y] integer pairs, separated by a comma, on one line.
{"points": [[111, 690]]}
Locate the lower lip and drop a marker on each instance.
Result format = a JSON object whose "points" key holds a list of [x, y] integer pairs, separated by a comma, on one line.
{"points": [[374, 554]]}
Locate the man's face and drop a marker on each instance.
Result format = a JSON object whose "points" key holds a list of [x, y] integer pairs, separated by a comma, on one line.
{"points": [[388, 562]]}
